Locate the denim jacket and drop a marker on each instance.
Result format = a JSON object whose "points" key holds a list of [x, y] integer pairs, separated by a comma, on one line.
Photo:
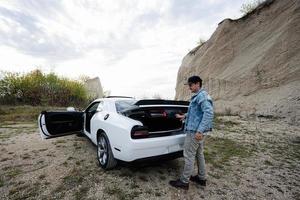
{"points": [[200, 113]]}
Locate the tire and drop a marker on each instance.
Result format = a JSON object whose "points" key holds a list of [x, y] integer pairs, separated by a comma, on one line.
{"points": [[105, 156]]}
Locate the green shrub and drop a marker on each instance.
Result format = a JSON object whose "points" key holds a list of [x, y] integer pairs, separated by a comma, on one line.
{"points": [[249, 7], [37, 88]]}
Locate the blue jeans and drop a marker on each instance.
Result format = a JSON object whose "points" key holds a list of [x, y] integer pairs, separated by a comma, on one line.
{"points": [[193, 149]]}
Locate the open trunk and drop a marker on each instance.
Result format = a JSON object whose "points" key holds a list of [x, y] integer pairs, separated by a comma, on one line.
{"points": [[158, 116]]}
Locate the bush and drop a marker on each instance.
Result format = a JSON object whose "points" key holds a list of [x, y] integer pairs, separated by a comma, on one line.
{"points": [[37, 88], [201, 42], [249, 7]]}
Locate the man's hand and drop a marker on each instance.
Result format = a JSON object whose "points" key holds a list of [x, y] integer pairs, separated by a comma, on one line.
{"points": [[198, 136], [179, 116]]}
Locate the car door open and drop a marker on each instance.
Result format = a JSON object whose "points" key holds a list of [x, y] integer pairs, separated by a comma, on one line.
{"points": [[60, 123], [89, 113]]}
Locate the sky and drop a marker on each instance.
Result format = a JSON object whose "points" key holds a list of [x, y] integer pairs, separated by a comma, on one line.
{"points": [[135, 47]]}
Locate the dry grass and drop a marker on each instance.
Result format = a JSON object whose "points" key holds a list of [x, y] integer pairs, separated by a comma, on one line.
{"points": [[10, 115], [252, 157], [219, 151]]}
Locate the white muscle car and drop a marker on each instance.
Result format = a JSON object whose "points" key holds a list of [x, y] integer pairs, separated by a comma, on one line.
{"points": [[122, 128]]}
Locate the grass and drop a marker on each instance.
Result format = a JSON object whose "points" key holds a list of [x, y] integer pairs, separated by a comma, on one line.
{"points": [[42, 176], [5, 159], [134, 185], [126, 173], [24, 191], [220, 124], [219, 151], [26, 156], [40, 162], [78, 162], [288, 153], [13, 172], [71, 181], [61, 141], [294, 149], [41, 150], [112, 190], [77, 145], [77, 182], [50, 155], [70, 158], [120, 193], [267, 162], [13, 130], [81, 193], [216, 175], [148, 191], [158, 194], [143, 178], [1, 182], [12, 114], [4, 136]]}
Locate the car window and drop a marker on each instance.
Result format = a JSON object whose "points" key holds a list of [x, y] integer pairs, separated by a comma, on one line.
{"points": [[124, 104], [100, 105], [93, 107]]}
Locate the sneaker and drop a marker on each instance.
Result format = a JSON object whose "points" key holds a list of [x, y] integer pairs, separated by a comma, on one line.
{"points": [[179, 184], [196, 179]]}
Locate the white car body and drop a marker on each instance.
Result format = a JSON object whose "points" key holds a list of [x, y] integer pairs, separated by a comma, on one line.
{"points": [[118, 128]]}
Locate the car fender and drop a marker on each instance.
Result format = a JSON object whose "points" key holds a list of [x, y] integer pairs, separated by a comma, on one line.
{"points": [[117, 128]]}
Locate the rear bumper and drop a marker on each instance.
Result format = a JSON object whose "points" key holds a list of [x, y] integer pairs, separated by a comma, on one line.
{"points": [[168, 156], [151, 147]]}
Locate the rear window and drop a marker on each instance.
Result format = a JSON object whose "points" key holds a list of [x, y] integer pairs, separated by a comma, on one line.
{"points": [[122, 105]]}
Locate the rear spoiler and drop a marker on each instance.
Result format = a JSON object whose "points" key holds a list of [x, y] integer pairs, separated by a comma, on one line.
{"points": [[161, 102]]}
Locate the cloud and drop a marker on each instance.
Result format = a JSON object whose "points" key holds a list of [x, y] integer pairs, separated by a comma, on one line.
{"points": [[139, 43], [63, 30], [26, 33]]}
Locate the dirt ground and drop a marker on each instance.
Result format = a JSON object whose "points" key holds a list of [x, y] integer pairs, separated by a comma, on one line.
{"points": [[246, 159]]}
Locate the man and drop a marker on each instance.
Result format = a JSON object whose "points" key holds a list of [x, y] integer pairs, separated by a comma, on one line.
{"points": [[198, 121]]}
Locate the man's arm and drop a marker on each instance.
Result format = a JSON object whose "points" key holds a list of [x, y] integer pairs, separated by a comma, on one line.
{"points": [[207, 118]]}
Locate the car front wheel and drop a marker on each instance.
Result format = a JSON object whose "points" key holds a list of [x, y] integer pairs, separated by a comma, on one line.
{"points": [[104, 153]]}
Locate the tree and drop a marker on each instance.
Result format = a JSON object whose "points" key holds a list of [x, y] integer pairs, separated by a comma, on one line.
{"points": [[249, 7], [201, 41]]}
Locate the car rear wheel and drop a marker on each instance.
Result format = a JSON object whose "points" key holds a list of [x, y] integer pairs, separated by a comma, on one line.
{"points": [[104, 153]]}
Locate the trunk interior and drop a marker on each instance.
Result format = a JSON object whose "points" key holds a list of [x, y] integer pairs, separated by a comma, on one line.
{"points": [[158, 120]]}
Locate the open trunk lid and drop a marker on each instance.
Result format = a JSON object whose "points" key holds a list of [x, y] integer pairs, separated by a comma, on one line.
{"points": [[155, 102], [158, 116]]}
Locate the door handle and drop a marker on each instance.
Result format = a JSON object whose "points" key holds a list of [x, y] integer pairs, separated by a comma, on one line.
{"points": [[106, 116]]}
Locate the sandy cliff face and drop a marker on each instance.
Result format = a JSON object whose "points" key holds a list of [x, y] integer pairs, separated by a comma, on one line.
{"points": [[251, 65]]}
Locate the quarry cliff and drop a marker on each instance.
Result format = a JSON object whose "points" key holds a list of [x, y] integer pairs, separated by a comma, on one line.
{"points": [[251, 66]]}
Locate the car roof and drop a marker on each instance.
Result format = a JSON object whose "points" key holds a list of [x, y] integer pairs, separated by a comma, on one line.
{"points": [[113, 99]]}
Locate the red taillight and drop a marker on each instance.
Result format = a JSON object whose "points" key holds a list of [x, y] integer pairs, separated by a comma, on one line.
{"points": [[138, 132]]}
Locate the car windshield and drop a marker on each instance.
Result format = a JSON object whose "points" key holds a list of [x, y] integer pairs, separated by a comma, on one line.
{"points": [[122, 105]]}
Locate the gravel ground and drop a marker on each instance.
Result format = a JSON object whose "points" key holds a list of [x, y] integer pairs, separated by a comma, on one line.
{"points": [[246, 159]]}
